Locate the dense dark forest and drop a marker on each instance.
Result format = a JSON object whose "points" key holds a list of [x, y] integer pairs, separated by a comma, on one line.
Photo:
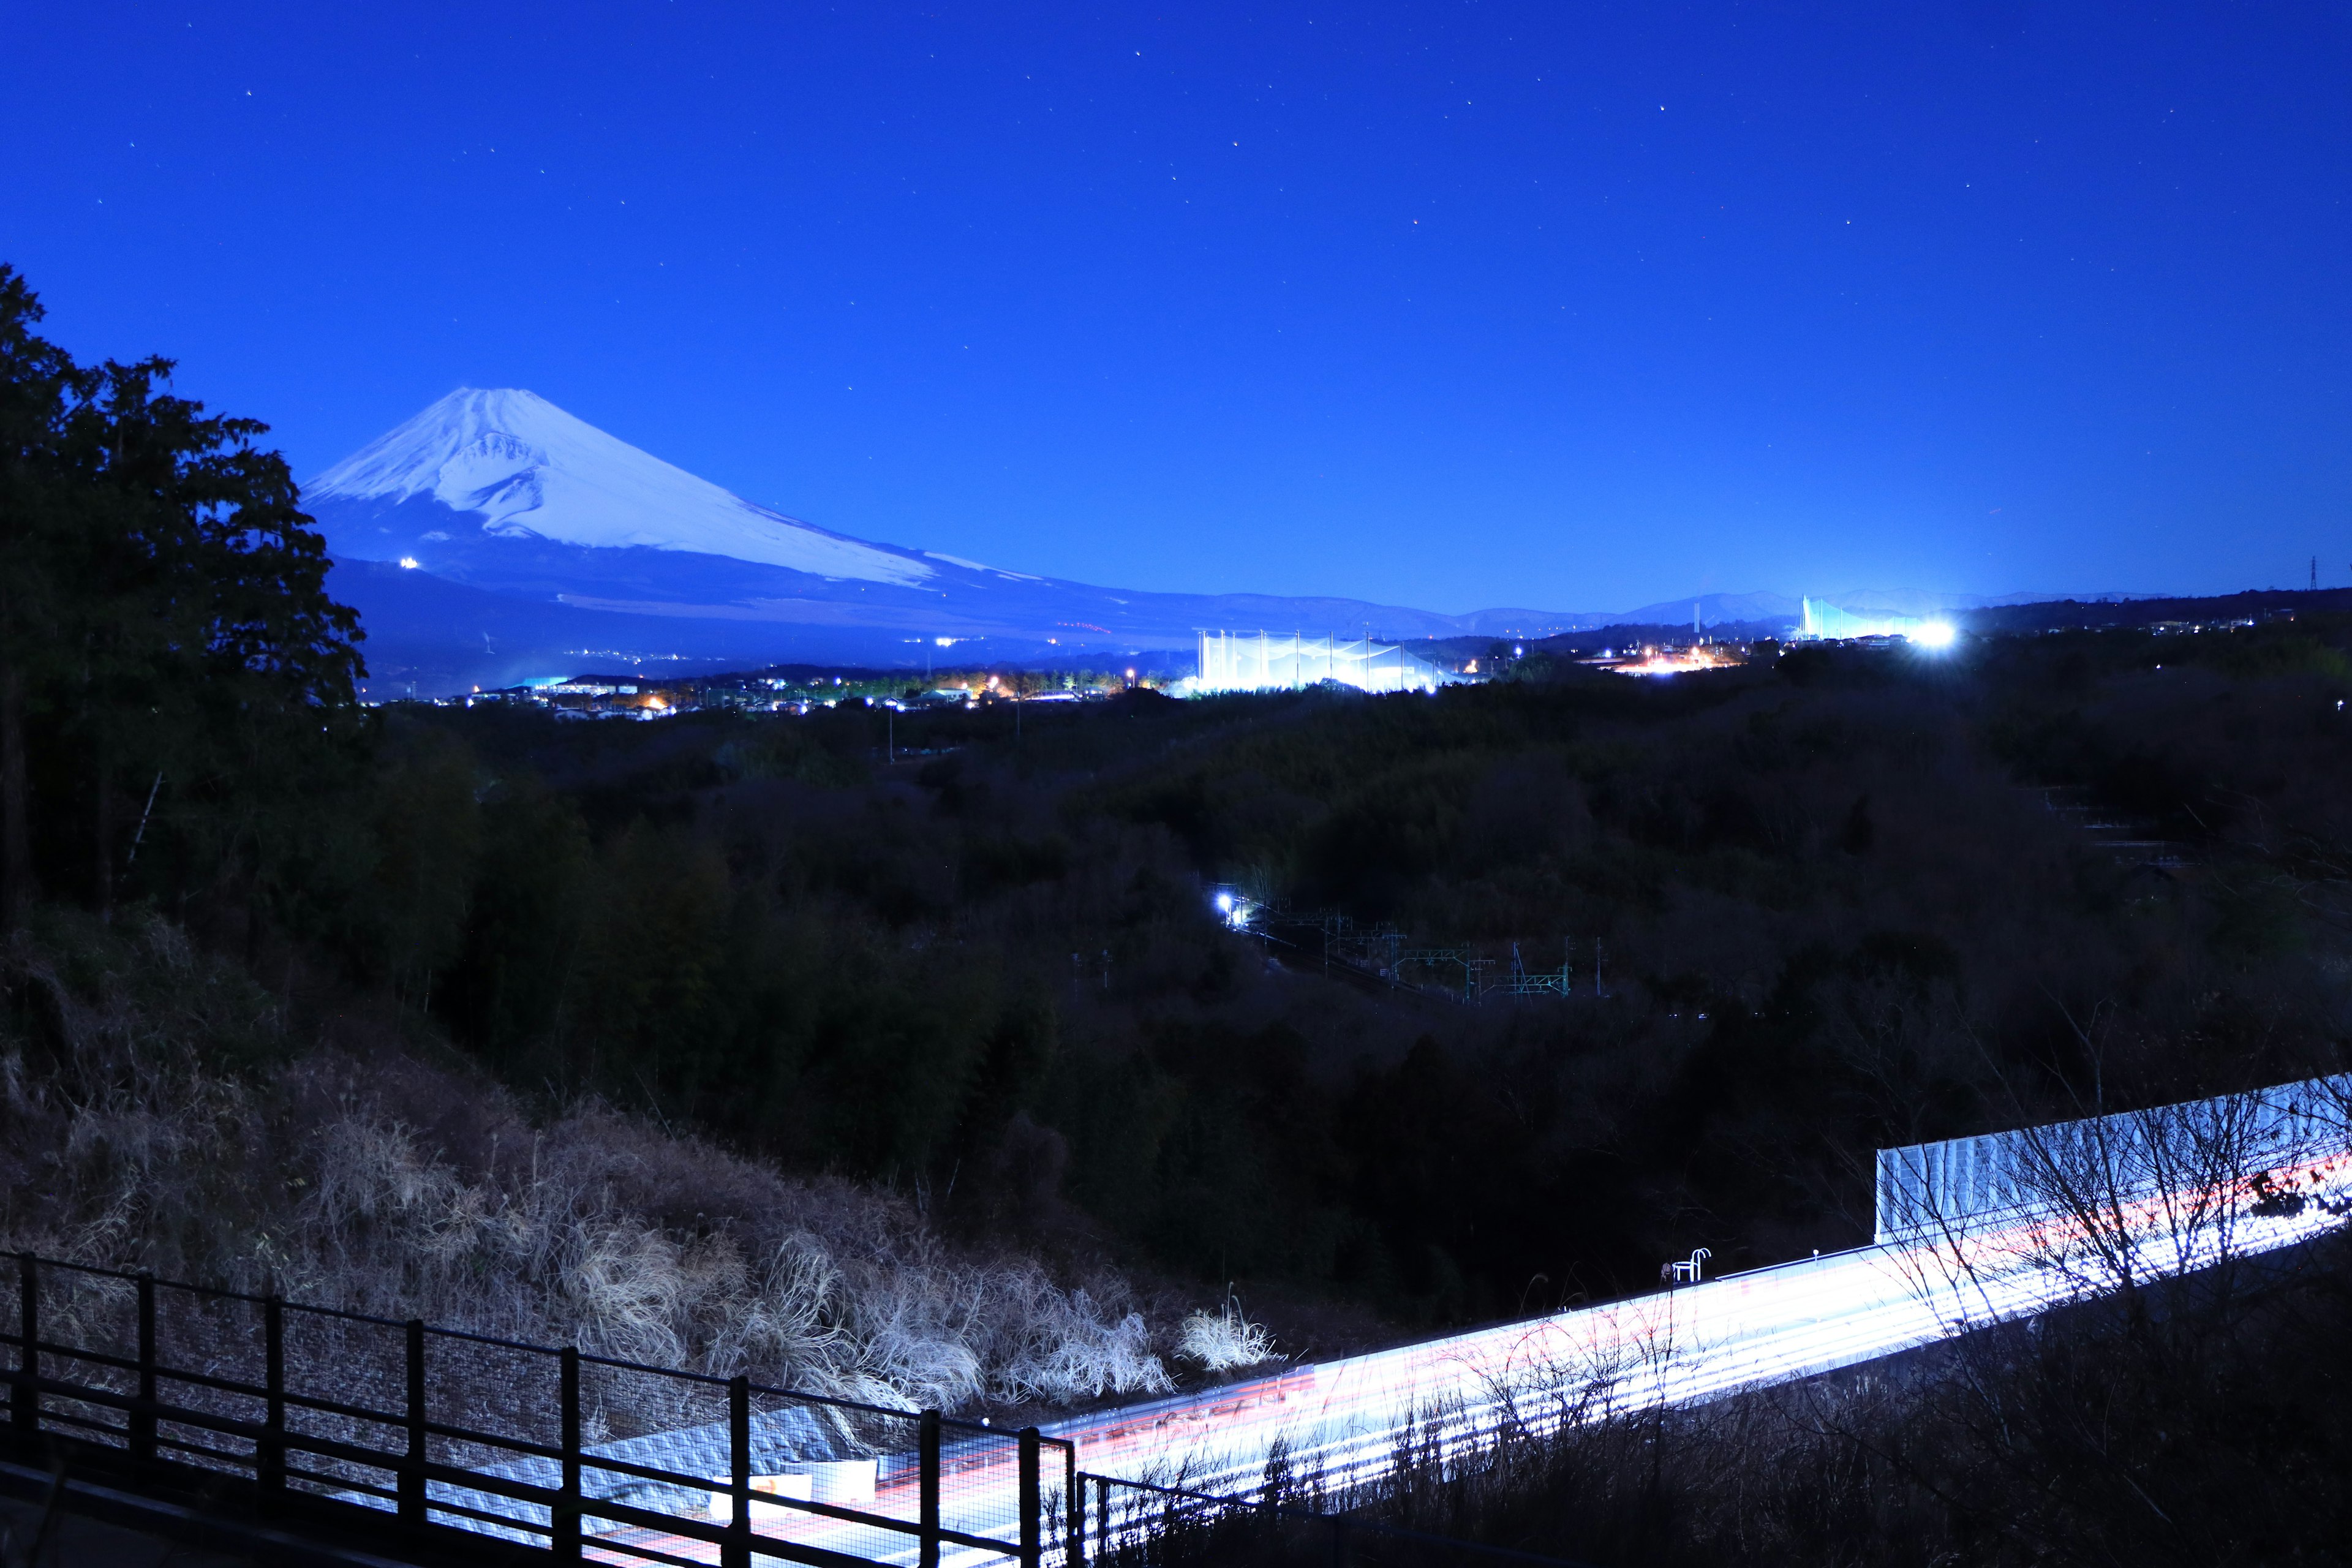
{"points": [[1838, 898], [958, 973], [1835, 898]]}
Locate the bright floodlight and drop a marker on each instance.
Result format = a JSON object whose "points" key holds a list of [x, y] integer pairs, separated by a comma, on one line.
{"points": [[1934, 634], [1225, 902]]}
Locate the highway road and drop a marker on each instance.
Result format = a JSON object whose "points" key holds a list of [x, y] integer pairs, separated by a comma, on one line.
{"points": [[1344, 1419]]}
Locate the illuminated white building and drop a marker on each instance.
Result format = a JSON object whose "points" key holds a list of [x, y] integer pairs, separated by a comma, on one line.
{"points": [[1824, 621], [1235, 661]]}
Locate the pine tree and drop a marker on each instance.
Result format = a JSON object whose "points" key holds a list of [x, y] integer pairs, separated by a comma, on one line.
{"points": [[38, 383], [164, 616]]}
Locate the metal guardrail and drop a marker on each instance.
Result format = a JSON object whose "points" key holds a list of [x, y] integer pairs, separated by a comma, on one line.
{"points": [[351, 1422]]}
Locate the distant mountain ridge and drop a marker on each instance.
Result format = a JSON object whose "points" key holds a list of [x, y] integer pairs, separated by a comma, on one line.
{"points": [[495, 538], [575, 544]]}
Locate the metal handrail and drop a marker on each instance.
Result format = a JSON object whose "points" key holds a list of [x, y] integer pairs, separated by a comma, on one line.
{"points": [[277, 1451], [430, 1470], [415, 1474]]}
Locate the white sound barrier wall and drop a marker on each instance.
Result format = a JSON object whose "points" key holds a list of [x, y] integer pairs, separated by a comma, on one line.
{"points": [[2282, 1136]]}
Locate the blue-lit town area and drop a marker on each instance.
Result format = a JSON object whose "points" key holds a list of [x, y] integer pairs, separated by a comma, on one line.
{"points": [[1225, 663]]}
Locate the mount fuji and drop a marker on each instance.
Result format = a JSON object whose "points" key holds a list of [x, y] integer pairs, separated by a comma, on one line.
{"points": [[495, 538]]}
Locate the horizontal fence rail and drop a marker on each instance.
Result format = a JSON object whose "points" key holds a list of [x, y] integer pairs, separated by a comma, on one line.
{"points": [[462, 1444], [439, 1436]]}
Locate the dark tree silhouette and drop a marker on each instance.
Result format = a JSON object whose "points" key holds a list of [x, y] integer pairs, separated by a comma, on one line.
{"points": [[164, 620]]}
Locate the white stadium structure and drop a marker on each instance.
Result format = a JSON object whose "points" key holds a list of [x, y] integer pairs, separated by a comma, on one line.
{"points": [[1235, 661]]}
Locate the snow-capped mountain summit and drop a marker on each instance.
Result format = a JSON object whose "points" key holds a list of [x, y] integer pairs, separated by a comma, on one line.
{"points": [[510, 464], [495, 536]]}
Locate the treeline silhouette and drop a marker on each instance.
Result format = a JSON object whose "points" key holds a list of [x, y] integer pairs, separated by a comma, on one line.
{"points": [[1814, 906], [1838, 898], [1832, 906], [1831, 901]]}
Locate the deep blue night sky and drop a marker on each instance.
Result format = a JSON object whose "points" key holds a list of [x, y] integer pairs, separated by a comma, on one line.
{"points": [[1451, 305]]}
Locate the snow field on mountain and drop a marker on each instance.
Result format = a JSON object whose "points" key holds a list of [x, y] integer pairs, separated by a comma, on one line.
{"points": [[523, 465]]}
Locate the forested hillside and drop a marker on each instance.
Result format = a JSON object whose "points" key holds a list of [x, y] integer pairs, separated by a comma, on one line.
{"points": [[966, 962], [1835, 898]]}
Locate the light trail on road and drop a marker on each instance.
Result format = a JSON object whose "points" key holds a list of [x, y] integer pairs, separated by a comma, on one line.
{"points": [[1682, 1346], [1343, 1421]]}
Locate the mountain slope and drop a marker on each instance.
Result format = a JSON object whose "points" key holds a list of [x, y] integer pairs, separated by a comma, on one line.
{"points": [[574, 542], [525, 469], [495, 537]]}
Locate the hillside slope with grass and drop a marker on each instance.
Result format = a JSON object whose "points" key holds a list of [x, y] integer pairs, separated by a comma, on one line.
{"points": [[158, 1109]]}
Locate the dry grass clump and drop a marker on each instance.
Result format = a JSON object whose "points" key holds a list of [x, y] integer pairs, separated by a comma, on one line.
{"points": [[1224, 1341], [156, 1111]]}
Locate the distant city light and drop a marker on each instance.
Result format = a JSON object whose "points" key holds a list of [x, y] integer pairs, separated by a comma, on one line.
{"points": [[409, 562], [1656, 661], [1823, 621]]}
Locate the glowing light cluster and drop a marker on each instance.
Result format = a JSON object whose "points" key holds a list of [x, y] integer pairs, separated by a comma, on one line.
{"points": [[1823, 621], [1675, 661]]}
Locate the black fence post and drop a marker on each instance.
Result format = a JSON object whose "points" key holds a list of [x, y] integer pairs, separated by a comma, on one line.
{"points": [[929, 1486], [412, 1469], [737, 1552], [1031, 1537], [25, 1405], [270, 1452], [1102, 1517], [564, 1535], [1074, 1509], [143, 1417]]}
